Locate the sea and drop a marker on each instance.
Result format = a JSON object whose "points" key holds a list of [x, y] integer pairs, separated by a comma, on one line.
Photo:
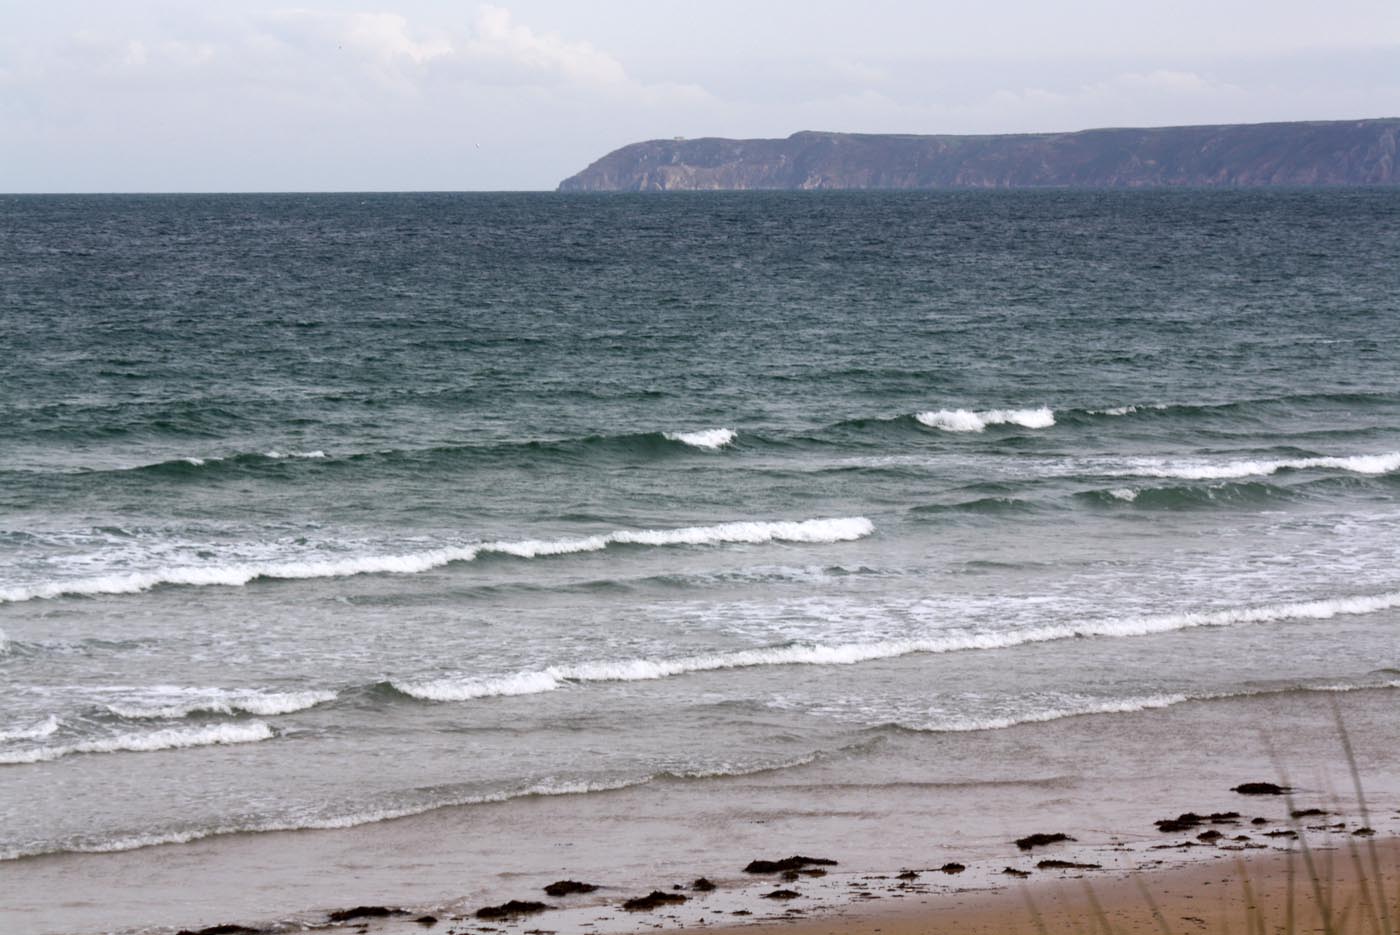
{"points": [[319, 511]]}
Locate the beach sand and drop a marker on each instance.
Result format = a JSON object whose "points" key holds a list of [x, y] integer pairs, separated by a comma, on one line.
{"points": [[910, 801], [1341, 886], [1244, 894]]}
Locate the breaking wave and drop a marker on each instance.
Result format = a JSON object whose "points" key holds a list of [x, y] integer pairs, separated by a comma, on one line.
{"points": [[240, 573], [261, 704], [631, 670], [709, 438], [1359, 464], [38, 731], [172, 738], [965, 420]]}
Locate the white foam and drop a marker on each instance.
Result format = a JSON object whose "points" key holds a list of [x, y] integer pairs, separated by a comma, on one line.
{"points": [[1119, 706], [1196, 470], [279, 455], [810, 530], [708, 438], [1114, 411], [524, 683], [262, 704], [1124, 493], [168, 739], [965, 420], [275, 703], [38, 731], [816, 654], [240, 573], [197, 462], [1393, 683]]}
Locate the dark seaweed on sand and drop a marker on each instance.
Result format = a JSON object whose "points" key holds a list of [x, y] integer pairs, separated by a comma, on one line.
{"points": [[365, 912], [795, 862], [1038, 840], [653, 900], [515, 907], [568, 887]]}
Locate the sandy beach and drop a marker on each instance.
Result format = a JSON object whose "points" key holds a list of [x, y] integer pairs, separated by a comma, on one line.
{"points": [[910, 805], [1226, 894], [1331, 885]]}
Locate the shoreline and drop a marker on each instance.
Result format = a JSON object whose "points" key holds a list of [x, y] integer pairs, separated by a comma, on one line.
{"points": [[913, 802], [1219, 891]]}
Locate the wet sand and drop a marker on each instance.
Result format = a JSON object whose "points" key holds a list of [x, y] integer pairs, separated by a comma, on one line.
{"points": [[907, 801]]}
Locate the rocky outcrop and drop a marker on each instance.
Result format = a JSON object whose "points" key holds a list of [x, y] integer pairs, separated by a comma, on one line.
{"points": [[1352, 152]]}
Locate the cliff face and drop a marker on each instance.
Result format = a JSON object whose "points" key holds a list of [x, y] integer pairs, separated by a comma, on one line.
{"points": [[1354, 152]]}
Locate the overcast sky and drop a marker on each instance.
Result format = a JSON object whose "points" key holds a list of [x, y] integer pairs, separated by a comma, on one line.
{"points": [[256, 95]]}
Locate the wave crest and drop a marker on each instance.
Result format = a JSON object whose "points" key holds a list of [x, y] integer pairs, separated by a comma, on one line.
{"points": [[523, 683], [44, 728], [240, 573], [1359, 464], [261, 704], [965, 420], [633, 670], [708, 438], [171, 738]]}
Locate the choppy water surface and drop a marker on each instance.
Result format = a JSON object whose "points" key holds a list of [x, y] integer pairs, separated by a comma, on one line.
{"points": [[318, 510]]}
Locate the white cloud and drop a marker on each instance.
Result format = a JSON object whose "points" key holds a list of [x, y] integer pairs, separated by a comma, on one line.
{"points": [[386, 36], [515, 50], [494, 49], [135, 53]]}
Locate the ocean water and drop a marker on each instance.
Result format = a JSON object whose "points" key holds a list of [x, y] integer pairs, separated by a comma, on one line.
{"points": [[321, 510]]}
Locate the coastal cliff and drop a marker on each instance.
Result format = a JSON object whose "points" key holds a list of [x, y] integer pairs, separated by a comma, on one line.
{"points": [[1351, 152]]}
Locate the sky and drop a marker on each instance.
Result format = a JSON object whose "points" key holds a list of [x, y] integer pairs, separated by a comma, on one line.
{"points": [[451, 95]]}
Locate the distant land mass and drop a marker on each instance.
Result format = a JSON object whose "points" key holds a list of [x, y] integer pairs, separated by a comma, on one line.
{"points": [[1340, 152]]}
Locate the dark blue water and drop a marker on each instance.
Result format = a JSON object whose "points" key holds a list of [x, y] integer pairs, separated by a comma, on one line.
{"points": [[316, 510]]}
